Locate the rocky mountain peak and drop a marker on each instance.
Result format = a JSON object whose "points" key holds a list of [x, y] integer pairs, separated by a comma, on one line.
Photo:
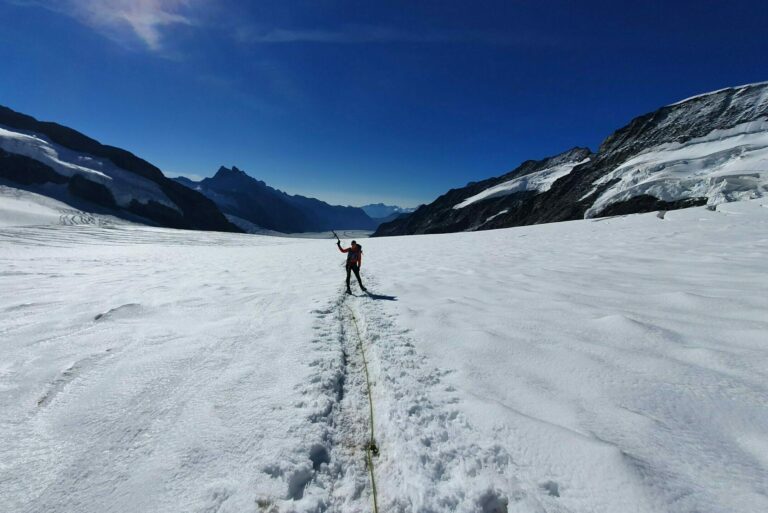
{"points": [[576, 154], [690, 118], [229, 172]]}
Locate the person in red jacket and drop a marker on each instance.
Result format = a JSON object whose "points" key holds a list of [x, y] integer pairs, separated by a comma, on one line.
{"points": [[354, 261]]}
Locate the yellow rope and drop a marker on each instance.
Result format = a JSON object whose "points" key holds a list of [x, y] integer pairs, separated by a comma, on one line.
{"points": [[371, 450]]}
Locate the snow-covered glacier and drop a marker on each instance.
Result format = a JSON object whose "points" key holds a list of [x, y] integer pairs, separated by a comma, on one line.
{"points": [[608, 365]]}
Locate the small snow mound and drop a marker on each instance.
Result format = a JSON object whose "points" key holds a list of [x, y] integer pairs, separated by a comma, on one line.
{"points": [[217, 496], [298, 482], [122, 311]]}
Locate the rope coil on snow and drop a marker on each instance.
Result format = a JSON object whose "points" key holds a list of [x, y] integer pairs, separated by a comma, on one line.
{"points": [[371, 449]]}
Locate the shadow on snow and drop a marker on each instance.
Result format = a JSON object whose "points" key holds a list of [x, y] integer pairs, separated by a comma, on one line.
{"points": [[381, 297]]}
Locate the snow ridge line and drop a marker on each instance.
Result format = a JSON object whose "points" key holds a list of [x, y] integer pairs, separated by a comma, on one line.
{"points": [[371, 449]]}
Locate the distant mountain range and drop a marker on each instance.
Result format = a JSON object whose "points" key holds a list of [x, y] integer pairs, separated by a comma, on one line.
{"points": [[703, 150], [253, 205], [382, 211], [65, 164], [706, 149]]}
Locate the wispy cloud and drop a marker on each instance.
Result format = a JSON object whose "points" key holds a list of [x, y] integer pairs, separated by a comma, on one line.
{"points": [[119, 20], [148, 21], [359, 34]]}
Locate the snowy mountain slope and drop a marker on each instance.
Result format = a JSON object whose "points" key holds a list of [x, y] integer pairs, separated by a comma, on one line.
{"points": [[69, 163], [537, 181], [470, 208], [725, 165], [20, 208], [238, 194], [704, 150], [725, 89], [703, 140], [124, 186], [595, 366]]}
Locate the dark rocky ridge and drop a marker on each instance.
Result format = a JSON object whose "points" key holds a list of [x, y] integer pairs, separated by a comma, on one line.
{"points": [[196, 211], [572, 195], [91, 191], [26, 171]]}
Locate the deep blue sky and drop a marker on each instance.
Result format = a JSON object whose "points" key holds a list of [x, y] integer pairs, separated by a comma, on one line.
{"points": [[354, 102]]}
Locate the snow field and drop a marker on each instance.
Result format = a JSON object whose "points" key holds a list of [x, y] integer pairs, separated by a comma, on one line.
{"points": [[593, 366], [22, 208], [620, 361], [137, 411]]}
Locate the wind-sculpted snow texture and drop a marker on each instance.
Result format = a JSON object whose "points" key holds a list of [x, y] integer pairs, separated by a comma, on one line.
{"points": [[612, 365], [710, 149]]}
